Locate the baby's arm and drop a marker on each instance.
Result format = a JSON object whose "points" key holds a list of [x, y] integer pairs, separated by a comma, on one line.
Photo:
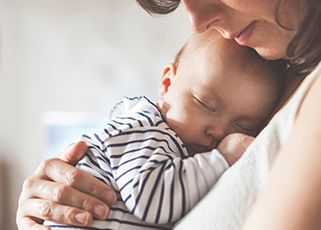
{"points": [[158, 186], [156, 183], [233, 146], [147, 166]]}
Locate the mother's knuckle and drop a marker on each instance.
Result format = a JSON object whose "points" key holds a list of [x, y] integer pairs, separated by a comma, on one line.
{"points": [[96, 189], [72, 176], [60, 192], [88, 203], [69, 215], [44, 165], [28, 183], [46, 210]]}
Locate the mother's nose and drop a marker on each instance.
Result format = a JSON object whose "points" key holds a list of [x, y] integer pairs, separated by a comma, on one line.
{"points": [[201, 15]]}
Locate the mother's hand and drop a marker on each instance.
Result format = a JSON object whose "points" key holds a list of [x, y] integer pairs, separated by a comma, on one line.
{"points": [[59, 192]]}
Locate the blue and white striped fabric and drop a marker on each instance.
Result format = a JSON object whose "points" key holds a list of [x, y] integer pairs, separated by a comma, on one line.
{"points": [[144, 160]]}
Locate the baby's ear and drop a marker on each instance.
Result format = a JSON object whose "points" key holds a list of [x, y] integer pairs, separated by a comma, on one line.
{"points": [[169, 73]]}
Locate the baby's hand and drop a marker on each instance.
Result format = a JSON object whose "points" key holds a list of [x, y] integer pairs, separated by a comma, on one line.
{"points": [[233, 146]]}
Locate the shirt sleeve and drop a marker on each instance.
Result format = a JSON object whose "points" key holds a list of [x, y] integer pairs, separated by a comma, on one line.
{"points": [[156, 184], [144, 160], [164, 187]]}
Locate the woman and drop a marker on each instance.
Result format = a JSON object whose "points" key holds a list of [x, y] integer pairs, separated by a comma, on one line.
{"points": [[275, 29]]}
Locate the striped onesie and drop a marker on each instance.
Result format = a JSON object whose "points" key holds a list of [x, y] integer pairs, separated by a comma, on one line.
{"points": [[146, 163]]}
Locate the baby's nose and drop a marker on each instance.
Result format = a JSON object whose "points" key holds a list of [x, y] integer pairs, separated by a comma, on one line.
{"points": [[217, 133]]}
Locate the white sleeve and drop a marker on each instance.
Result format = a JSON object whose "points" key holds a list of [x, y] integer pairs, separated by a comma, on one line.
{"points": [[145, 165], [158, 186]]}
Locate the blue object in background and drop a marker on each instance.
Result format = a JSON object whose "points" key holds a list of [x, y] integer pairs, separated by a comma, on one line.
{"points": [[63, 128]]}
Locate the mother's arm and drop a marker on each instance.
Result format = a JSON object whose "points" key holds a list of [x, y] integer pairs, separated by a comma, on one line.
{"points": [[292, 199], [59, 192]]}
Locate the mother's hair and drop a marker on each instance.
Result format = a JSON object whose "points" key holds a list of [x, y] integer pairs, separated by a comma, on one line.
{"points": [[304, 50]]}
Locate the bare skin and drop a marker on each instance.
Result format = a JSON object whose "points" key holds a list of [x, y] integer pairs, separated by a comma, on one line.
{"points": [[233, 146], [301, 155], [46, 194], [274, 210], [38, 200]]}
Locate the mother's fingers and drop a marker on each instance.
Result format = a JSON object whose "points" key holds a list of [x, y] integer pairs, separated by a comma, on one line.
{"points": [[47, 194], [27, 223], [49, 210], [61, 172], [67, 195], [74, 152]]}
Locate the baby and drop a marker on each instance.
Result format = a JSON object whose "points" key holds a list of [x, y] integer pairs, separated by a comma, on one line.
{"points": [[159, 157]]}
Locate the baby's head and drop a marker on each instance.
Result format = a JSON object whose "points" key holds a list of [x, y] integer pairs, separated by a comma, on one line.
{"points": [[216, 87]]}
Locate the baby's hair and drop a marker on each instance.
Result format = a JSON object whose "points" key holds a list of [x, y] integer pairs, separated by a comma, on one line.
{"points": [[250, 55], [270, 72], [186, 48]]}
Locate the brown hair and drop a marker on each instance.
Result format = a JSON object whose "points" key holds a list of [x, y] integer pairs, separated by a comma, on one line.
{"points": [[159, 6], [250, 64], [275, 67], [304, 50]]}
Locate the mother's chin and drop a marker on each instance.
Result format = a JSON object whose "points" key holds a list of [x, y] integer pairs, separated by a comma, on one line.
{"points": [[271, 52]]}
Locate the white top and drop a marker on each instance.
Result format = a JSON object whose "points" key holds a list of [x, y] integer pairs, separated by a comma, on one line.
{"points": [[148, 166], [228, 203]]}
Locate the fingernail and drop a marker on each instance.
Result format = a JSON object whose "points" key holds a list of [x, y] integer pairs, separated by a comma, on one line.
{"points": [[111, 197], [82, 218], [101, 210]]}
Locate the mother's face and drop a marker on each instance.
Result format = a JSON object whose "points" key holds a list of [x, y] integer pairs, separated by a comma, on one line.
{"points": [[249, 22]]}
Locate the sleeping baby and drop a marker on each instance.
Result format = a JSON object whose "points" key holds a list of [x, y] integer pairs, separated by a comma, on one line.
{"points": [[161, 158]]}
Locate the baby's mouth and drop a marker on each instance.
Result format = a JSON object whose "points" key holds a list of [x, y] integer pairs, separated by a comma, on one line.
{"points": [[192, 149]]}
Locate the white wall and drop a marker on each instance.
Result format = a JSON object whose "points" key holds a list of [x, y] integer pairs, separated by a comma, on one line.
{"points": [[71, 55]]}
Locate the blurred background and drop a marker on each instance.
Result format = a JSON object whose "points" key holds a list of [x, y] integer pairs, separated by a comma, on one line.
{"points": [[63, 65]]}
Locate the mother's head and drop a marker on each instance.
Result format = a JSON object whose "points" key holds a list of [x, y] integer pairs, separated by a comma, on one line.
{"points": [[274, 28]]}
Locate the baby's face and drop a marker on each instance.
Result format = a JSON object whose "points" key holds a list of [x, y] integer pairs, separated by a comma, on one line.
{"points": [[213, 96]]}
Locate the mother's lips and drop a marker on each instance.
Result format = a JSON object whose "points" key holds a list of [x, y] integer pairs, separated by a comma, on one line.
{"points": [[230, 35], [243, 37]]}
